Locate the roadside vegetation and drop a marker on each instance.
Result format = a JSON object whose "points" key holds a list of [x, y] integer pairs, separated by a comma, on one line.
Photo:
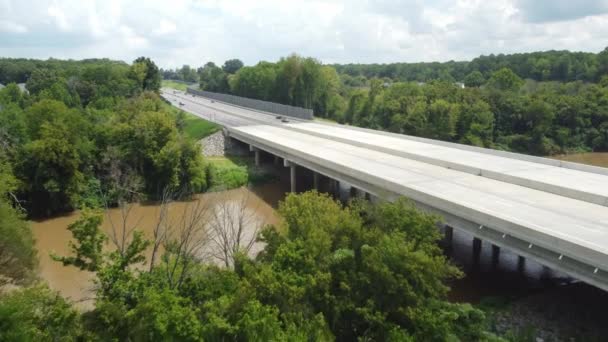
{"points": [[174, 85], [231, 172], [197, 128]]}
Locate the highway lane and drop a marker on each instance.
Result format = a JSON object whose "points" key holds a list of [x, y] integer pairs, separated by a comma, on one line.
{"points": [[220, 113], [586, 186]]}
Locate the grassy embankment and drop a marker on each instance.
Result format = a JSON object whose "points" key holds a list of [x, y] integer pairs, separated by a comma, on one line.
{"points": [[232, 172], [174, 85], [223, 173]]}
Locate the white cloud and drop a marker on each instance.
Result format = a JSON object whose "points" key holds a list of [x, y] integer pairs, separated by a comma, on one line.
{"points": [[195, 31], [165, 27], [60, 19], [11, 27]]}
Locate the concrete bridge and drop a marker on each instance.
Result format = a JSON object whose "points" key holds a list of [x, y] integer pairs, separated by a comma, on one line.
{"points": [[551, 211]]}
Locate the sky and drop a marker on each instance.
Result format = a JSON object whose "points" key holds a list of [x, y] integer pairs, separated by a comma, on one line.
{"points": [[177, 32]]}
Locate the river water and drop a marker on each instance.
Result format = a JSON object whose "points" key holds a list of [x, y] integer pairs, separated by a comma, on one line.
{"points": [[52, 235], [482, 279]]}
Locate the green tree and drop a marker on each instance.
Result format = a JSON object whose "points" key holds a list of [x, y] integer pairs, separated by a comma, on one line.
{"points": [[37, 314], [330, 255], [505, 80], [213, 78], [442, 118], [474, 79], [87, 249], [18, 257], [145, 71], [231, 66]]}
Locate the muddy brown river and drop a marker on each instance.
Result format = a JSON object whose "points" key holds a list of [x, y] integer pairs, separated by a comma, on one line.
{"points": [[52, 235]]}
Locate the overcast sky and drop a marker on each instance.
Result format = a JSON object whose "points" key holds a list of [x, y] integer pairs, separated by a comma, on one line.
{"points": [[176, 32]]}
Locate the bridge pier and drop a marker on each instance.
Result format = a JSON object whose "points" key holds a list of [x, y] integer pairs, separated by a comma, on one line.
{"points": [[354, 192], [521, 264], [315, 180], [276, 160], [256, 152], [476, 250], [292, 174], [495, 255]]}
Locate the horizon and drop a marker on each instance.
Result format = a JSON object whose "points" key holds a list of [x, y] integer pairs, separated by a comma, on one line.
{"points": [[219, 63]]}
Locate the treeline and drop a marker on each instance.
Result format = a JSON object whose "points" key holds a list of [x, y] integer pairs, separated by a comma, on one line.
{"points": [[328, 273], [504, 113], [562, 66], [495, 108], [91, 131], [294, 80]]}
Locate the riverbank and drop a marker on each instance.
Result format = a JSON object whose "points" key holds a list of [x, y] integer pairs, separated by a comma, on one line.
{"points": [[589, 158]]}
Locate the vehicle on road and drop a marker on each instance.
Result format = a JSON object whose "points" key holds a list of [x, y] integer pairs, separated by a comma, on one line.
{"points": [[284, 120], [279, 117], [181, 103]]}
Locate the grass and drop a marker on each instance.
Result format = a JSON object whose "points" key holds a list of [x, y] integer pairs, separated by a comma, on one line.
{"points": [[324, 119], [174, 85], [198, 128], [233, 172], [194, 126]]}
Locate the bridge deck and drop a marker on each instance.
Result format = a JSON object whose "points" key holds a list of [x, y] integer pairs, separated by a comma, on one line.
{"points": [[573, 227], [586, 186]]}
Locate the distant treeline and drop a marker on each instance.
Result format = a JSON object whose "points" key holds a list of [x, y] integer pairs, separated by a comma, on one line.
{"points": [[563, 66], [539, 103]]}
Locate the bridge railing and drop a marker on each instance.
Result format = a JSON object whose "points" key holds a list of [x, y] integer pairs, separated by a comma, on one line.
{"points": [[265, 106]]}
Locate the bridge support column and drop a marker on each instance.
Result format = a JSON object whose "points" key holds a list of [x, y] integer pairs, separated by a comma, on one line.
{"points": [[292, 173], [449, 235], [368, 196], [476, 250], [447, 239], [521, 264], [495, 255], [256, 152], [336, 189], [354, 192], [315, 180], [276, 160], [257, 157]]}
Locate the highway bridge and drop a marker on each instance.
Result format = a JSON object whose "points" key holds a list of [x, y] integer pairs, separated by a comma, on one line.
{"points": [[551, 211]]}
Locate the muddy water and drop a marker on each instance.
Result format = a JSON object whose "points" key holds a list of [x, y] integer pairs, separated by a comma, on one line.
{"points": [[52, 235], [591, 158]]}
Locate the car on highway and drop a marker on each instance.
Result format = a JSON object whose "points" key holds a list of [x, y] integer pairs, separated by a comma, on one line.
{"points": [[279, 117], [284, 120], [181, 103]]}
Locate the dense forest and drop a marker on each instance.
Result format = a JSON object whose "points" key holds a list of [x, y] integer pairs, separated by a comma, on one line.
{"points": [[87, 132], [540, 103]]}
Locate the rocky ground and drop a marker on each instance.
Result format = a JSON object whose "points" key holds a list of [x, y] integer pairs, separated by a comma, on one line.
{"points": [[574, 312], [217, 145], [214, 145]]}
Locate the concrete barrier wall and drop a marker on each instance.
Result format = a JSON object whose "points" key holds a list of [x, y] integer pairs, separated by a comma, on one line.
{"points": [[271, 107]]}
